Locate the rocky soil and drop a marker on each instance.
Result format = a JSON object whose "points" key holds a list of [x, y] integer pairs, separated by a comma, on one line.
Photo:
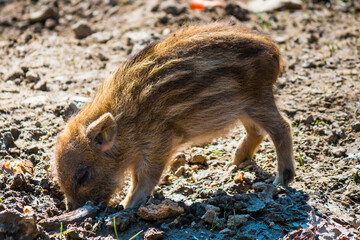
{"points": [[55, 53]]}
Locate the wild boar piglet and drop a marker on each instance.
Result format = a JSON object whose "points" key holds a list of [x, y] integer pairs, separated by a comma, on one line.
{"points": [[192, 86]]}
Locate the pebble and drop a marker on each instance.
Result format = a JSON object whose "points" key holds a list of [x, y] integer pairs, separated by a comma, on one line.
{"points": [[32, 76], [339, 152], [180, 160], [227, 232], [50, 23], [309, 119], [353, 191], [14, 73], [8, 141], [175, 10], [164, 210], [101, 37], [37, 27], [271, 5], [15, 133], [81, 30], [45, 183], [236, 11], [211, 213], [41, 85], [198, 159], [249, 177], [32, 150], [43, 14], [37, 124], [180, 171], [19, 182], [36, 101], [237, 220], [102, 56], [154, 234], [70, 110], [356, 126]]}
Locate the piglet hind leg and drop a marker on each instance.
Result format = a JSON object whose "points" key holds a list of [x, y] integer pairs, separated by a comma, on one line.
{"points": [[266, 115], [145, 176]]}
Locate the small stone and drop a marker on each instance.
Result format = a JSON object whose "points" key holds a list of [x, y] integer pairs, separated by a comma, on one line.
{"points": [[211, 214], [356, 126], [70, 110], [102, 56], [180, 160], [237, 220], [8, 141], [175, 10], [101, 37], [81, 30], [14, 73], [180, 171], [15, 133], [45, 183], [43, 14], [25, 68], [32, 76], [111, 2], [41, 85], [198, 159], [164, 210], [154, 234], [37, 27], [249, 177], [32, 150], [164, 19], [332, 138], [271, 5], [87, 226], [339, 152], [227, 232], [236, 11], [353, 191], [37, 124], [50, 23], [19, 182], [309, 120]]}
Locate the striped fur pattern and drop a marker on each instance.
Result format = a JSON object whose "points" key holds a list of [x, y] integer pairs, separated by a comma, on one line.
{"points": [[194, 85]]}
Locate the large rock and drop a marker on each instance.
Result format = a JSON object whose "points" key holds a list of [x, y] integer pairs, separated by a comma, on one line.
{"points": [[164, 210], [14, 225], [237, 220]]}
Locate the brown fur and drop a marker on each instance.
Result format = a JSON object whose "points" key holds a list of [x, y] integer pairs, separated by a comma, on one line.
{"points": [[187, 89]]}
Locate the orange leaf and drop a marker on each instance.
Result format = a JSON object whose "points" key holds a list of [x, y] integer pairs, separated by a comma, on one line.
{"points": [[202, 4], [239, 177]]}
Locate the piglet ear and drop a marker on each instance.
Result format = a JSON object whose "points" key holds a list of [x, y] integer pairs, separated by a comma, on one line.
{"points": [[102, 132]]}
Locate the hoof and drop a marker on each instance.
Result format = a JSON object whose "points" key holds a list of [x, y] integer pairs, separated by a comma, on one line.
{"points": [[284, 178]]}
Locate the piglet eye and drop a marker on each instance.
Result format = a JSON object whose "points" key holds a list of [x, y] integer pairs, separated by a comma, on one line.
{"points": [[81, 176]]}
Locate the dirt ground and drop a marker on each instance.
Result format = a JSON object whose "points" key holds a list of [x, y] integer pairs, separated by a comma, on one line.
{"points": [[46, 70]]}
